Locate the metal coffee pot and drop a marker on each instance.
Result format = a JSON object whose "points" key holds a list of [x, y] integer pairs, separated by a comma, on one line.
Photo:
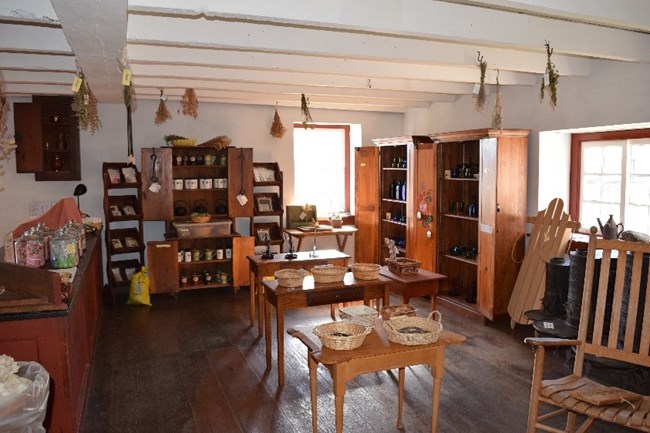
{"points": [[610, 230]]}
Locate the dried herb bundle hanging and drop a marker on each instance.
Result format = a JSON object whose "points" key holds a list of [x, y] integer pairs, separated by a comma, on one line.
{"points": [[553, 77], [84, 106], [162, 114], [497, 116], [277, 128], [480, 98], [189, 103], [129, 102], [304, 109]]}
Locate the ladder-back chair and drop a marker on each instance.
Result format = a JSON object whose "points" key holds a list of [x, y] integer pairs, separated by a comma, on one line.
{"points": [[615, 325]]}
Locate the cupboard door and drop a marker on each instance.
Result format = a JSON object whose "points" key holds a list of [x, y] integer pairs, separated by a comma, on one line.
{"points": [[157, 206], [423, 233], [366, 173], [29, 137], [163, 266], [240, 180], [242, 247], [487, 226]]}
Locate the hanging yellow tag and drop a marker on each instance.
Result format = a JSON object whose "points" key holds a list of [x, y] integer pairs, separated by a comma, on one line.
{"points": [[126, 77], [76, 83]]}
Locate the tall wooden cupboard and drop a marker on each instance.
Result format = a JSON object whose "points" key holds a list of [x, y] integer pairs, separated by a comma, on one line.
{"points": [[481, 198], [395, 199]]}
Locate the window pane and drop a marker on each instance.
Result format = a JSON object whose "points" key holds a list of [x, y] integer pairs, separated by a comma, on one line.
{"points": [[637, 218], [591, 188], [640, 159], [612, 158], [639, 190], [611, 189], [592, 157]]}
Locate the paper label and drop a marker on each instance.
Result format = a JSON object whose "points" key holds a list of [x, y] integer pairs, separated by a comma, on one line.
{"points": [[155, 187], [76, 83], [241, 198], [549, 325], [302, 216], [126, 77]]}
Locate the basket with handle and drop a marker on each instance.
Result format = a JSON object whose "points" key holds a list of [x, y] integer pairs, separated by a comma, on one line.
{"points": [[365, 271], [412, 331], [341, 335], [328, 273]]}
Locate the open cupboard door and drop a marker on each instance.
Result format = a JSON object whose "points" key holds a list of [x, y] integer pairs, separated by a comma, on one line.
{"points": [[487, 226], [366, 173]]}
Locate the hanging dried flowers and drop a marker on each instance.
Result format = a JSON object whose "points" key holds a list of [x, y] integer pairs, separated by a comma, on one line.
{"points": [[277, 128], [129, 102], [163, 114], [189, 103], [304, 109], [553, 77], [480, 98], [497, 116], [84, 105], [7, 143]]}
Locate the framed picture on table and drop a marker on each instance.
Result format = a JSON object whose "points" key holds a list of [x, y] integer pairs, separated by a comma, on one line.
{"points": [[264, 204], [263, 235]]}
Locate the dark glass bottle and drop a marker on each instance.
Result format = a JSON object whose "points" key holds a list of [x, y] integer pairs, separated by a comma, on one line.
{"points": [[398, 190], [403, 191], [391, 191]]}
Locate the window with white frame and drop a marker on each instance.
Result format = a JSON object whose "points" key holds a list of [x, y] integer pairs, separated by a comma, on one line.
{"points": [[321, 167], [615, 180]]}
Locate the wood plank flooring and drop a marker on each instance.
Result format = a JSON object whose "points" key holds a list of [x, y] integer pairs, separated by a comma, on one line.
{"points": [[194, 365]]}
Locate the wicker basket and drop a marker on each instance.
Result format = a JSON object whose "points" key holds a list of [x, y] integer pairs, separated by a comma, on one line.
{"points": [[412, 331], [365, 271], [342, 335], [391, 311], [359, 314], [199, 218], [328, 273], [403, 266], [290, 277]]}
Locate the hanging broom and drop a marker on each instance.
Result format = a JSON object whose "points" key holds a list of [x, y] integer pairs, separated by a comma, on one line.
{"points": [[277, 128], [162, 114]]}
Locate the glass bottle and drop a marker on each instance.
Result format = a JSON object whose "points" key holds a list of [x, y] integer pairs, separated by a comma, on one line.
{"points": [[398, 190], [403, 191], [391, 191]]}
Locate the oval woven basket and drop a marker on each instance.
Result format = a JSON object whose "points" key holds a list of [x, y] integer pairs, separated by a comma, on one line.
{"points": [[391, 311], [413, 331], [362, 314], [365, 271], [290, 277], [328, 273], [341, 335], [199, 218]]}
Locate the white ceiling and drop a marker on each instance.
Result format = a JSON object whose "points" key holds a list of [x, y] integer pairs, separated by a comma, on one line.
{"points": [[375, 55]]}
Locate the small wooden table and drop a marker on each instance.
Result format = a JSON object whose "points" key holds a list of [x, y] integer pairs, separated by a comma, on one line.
{"points": [[341, 235], [408, 286], [375, 354], [260, 268], [312, 294]]}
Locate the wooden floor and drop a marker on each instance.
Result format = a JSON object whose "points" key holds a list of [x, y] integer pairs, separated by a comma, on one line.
{"points": [[194, 365]]}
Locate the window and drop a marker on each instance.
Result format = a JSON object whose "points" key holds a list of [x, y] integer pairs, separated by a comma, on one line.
{"points": [[322, 167], [614, 178]]}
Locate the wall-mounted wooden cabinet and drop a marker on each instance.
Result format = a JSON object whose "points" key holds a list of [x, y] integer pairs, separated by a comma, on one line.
{"points": [[481, 198], [47, 138]]}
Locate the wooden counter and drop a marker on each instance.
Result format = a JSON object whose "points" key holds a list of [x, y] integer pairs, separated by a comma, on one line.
{"points": [[60, 336]]}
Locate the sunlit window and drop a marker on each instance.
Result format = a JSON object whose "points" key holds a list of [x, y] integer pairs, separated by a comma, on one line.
{"points": [[321, 164]]}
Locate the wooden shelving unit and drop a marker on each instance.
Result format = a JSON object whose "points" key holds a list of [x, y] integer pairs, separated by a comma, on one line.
{"points": [[125, 245], [268, 204]]}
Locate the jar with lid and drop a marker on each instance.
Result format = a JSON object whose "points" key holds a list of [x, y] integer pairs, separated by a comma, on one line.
{"points": [[64, 252], [35, 251], [20, 249]]}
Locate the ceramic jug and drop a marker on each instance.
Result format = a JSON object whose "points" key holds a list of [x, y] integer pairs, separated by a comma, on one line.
{"points": [[610, 230]]}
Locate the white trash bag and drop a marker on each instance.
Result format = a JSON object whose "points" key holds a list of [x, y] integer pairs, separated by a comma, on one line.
{"points": [[23, 403]]}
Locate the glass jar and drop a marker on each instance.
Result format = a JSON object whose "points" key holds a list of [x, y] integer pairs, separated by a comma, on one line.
{"points": [[64, 252], [35, 251], [20, 249]]}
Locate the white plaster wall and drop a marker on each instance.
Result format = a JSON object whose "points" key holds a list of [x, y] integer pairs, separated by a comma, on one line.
{"points": [[248, 126], [614, 93]]}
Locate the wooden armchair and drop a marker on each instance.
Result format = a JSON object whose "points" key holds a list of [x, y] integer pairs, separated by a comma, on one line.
{"points": [[617, 328]]}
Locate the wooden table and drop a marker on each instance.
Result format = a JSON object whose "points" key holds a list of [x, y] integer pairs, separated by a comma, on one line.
{"points": [[311, 294], [260, 268], [375, 354], [424, 283], [341, 235]]}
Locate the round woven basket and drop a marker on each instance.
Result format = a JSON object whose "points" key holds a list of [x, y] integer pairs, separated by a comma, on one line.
{"points": [[362, 314], [328, 273], [290, 277], [412, 331], [365, 271], [341, 335], [391, 311], [200, 218]]}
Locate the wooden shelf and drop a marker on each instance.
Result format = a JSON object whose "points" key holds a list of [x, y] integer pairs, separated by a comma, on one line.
{"points": [[394, 222], [461, 179], [461, 259], [204, 262], [392, 200], [462, 217]]}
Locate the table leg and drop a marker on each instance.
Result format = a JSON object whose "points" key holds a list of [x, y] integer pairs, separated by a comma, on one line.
{"points": [[260, 304], [279, 322], [437, 371], [400, 398], [299, 244], [253, 283], [386, 300], [339, 393], [338, 242], [267, 332], [313, 365]]}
